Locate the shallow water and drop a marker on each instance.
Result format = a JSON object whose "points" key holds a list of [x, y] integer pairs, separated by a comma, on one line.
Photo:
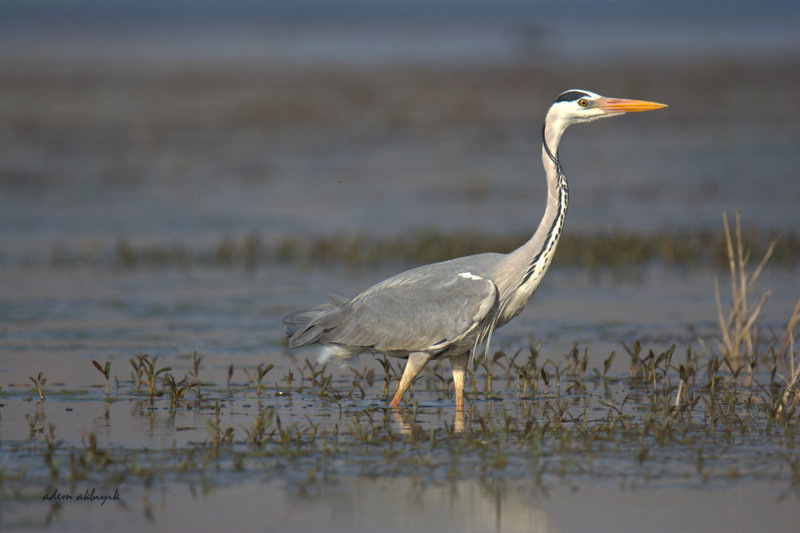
{"points": [[141, 126], [59, 327], [437, 470], [361, 505]]}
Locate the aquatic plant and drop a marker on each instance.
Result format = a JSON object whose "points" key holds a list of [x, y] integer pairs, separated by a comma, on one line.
{"points": [[105, 370], [790, 399], [261, 371], [150, 371], [93, 456], [215, 432], [33, 426], [39, 382], [138, 369], [175, 390], [257, 376], [257, 433], [196, 359]]}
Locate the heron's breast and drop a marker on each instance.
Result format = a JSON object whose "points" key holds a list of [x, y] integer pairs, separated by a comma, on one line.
{"points": [[517, 301]]}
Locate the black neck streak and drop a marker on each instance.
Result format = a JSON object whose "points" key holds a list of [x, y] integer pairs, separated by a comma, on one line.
{"points": [[553, 158], [555, 228]]}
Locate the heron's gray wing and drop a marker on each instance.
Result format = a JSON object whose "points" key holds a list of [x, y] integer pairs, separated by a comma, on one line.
{"points": [[423, 309]]}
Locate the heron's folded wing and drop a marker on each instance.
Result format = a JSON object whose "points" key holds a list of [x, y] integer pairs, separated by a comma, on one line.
{"points": [[423, 311]]}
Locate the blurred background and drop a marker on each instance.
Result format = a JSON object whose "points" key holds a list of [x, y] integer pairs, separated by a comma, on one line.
{"points": [[175, 174]]}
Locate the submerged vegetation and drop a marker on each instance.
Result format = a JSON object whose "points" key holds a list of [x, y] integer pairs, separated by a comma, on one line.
{"points": [[674, 419]]}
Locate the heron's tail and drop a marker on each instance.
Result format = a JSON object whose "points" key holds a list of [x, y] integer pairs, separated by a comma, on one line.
{"points": [[299, 324], [298, 327]]}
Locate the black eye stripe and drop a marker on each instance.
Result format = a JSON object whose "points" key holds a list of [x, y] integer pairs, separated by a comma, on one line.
{"points": [[570, 96]]}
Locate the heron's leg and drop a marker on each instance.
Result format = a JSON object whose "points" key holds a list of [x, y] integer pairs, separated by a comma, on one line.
{"points": [[458, 421], [415, 364], [459, 364]]}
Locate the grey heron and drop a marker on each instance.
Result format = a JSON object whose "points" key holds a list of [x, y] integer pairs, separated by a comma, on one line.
{"points": [[450, 309]]}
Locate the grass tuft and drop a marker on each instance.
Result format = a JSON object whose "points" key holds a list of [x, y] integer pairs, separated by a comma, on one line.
{"points": [[739, 330]]}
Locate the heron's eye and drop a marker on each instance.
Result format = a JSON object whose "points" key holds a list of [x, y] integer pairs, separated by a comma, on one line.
{"points": [[583, 102]]}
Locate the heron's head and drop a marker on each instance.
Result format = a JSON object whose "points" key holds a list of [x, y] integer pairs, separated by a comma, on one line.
{"points": [[576, 106]]}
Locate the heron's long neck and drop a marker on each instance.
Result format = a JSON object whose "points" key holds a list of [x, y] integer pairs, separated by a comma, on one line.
{"points": [[533, 258]]}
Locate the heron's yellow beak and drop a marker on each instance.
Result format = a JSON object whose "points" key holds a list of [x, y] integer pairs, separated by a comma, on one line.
{"points": [[621, 105]]}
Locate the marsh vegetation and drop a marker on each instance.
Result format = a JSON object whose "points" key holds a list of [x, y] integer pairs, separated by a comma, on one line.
{"points": [[673, 418]]}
